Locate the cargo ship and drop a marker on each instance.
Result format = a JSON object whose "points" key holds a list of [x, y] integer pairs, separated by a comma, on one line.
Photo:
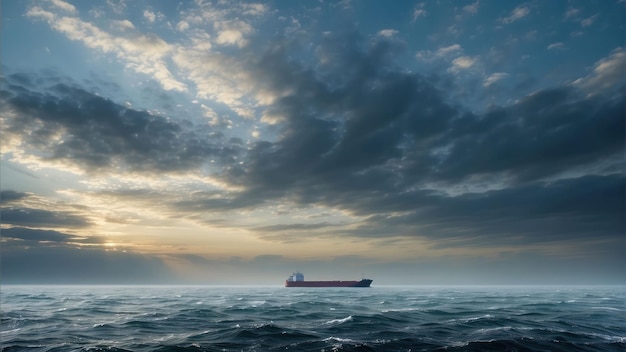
{"points": [[297, 280]]}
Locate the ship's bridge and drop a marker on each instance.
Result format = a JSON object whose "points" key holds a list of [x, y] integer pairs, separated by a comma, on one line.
{"points": [[296, 277]]}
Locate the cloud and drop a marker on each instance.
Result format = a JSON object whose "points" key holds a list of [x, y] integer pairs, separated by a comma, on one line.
{"points": [[589, 21], [573, 210], [462, 63], [387, 32], [607, 74], [42, 218], [445, 51], [220, 76], [143, 53], [563, 119], [69, 8], [556, 46], [400, 149], [38, 237], [232, 32], [291, 227], [8, 196], [182, 26], [571, 12], [519, 12], [254, 9], [118, 6], [418, 11], [27, 209], [123, 24], [472, 8], [216, 76], [70, 125], [298, 232], [493, 78], [149, 15]]}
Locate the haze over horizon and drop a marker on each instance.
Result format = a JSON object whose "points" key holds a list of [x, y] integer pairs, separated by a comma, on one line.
{"points": [[229, 142]]}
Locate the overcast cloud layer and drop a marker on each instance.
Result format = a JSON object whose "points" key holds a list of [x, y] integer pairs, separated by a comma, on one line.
{"points": [[271, 126]]}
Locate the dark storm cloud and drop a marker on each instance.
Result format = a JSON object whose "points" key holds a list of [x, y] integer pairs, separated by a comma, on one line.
{"points": [[544, 134], [356, 122], [589, 207], [361, 135], [10, 196], [364, 119], [13, 213], [97, 133], [22, 216], [31, 237]]}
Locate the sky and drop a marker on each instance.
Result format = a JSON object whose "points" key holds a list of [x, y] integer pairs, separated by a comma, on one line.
{"points": [[233, 142]]}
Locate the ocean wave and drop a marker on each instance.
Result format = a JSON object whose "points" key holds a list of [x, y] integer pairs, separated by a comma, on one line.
{"points": [[339, 321], [608, 308], [235, 319]]}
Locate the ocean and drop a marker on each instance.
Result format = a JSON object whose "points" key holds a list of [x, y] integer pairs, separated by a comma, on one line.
{"points": [[212, 318]]}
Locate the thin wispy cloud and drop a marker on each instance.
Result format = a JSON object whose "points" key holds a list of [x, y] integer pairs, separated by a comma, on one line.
{"points": [[556, 46], [571, 12], [493, 78], [419, 11], [586, 22], [388, 32], [517, 14], [472, 8]]}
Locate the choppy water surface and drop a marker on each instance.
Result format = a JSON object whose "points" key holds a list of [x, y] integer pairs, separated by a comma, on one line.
{"points": [[80, 318]]}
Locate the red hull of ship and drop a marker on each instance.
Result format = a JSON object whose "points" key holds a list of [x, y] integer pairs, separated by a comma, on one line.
{"points": [[362, 283]]}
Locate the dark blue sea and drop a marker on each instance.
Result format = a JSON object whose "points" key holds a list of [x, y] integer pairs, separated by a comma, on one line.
{"points": [[172, 318]]}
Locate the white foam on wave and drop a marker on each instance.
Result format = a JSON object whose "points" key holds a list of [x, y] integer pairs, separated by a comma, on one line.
{"points": [[399, 310], [486, 316], [165, 338], [610, 338], [338, 339], [9, 331], [471, 319], [339, 321], [608, 308]]}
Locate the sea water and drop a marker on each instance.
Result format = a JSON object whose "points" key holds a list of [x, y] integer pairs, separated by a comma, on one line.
{"points": [[211, 318]]}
